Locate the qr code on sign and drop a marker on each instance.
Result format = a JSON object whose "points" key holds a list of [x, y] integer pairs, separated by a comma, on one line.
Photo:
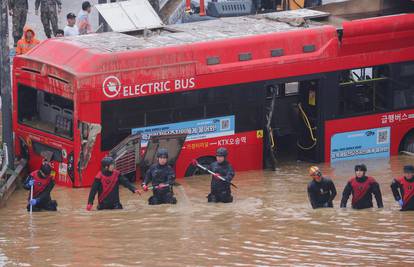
{"points": [[383, 136], [225, 124]]}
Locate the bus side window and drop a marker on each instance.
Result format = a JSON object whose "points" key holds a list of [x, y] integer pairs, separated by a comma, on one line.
{"points": [[364, 90], [403, 85]]}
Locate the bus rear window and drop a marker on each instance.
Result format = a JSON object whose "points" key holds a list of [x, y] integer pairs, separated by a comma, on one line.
{"points": [[44, 111]]}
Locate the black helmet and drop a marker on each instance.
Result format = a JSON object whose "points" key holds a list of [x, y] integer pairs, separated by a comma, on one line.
{"points": [[46, 169], [106, 162], [222, 152], [361, 167], [162, 153], [409, 169]]}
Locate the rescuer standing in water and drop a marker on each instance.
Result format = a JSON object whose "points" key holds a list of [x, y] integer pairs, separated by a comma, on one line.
{"points": [[362, 188], [403, 189], [162, 177], [106, 184], [220, 190], [321, 190], [42, 183]]}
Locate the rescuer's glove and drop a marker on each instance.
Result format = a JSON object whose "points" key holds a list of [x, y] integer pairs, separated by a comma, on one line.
{"points": [[34, 201]]}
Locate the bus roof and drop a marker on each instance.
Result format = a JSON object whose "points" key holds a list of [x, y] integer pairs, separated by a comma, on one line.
{"points": [[187, 33], [290, 32], [172, 35]]}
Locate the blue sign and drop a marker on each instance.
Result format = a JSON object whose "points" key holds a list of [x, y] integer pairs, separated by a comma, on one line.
{"points": [[195, 130], [371, 143]]}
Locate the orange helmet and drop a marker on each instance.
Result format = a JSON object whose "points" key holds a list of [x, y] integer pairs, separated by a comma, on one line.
{"points": [[314, 170]]}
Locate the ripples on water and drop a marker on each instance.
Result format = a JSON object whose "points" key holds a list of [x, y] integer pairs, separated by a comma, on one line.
{"points": [[270, 223]]}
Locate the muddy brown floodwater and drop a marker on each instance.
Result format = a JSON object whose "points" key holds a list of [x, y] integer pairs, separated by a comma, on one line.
{"points": [[270, 224]]}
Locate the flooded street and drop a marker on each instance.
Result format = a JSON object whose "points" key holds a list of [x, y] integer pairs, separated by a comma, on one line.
{"points": [[270, 223]]}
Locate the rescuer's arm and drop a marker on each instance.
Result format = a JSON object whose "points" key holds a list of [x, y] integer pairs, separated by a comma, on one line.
{"points": [[377, 193], [148, 177], [170, 176], [332, 190], [94, 189], [345, 195], [312, 196], [45, 194], [125, 182], [395, 186], [230, 173]]}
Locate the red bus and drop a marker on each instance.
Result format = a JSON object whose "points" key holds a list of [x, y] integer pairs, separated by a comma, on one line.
{"points": [[259, 87]]}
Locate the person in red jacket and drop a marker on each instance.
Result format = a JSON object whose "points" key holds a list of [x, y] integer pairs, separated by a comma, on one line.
{"points": [[42, 183], [403, 189], [362, 188], [106, 184]]}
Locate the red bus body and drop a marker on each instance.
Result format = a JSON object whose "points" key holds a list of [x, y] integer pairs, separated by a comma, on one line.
{"points": [[77, 71]]}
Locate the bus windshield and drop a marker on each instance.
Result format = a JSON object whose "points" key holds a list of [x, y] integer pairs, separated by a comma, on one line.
{"points": [[44, 111]]}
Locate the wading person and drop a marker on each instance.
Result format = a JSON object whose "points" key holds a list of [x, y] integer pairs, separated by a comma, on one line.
{"points": [[362, 188], [403, 189], [220, 190], [48, 15], [162, 178], [42, 183], [321, 190], [106, 184]]}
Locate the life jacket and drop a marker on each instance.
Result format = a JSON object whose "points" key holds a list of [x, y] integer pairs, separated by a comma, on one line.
{"points": [[360, 189], [39, 183], [108, 184], [408, 189]]}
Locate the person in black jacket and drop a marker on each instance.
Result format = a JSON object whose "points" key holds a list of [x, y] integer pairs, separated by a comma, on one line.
{"points": [[220, 190], [321, 190], [362, 188], [403, 189], [106, 184], [162, 177], [42, 183]]}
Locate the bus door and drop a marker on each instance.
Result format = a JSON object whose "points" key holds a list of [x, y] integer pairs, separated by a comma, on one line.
{"points": [[291, 121], [173, 143], [309, 122], [127, 155]]}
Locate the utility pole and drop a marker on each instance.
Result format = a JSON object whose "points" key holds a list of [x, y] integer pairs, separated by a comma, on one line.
{"points": [[5, 83]]}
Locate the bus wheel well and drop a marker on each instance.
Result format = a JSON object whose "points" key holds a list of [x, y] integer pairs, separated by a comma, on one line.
{"points": [[407, 143], [193, 170]]}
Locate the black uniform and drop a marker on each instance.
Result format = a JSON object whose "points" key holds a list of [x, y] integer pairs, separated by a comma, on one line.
{"points": [[398, 186], [365, 200], [161, 174], [321, 194], [220, 190], [45, 201], [112, 200]]}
